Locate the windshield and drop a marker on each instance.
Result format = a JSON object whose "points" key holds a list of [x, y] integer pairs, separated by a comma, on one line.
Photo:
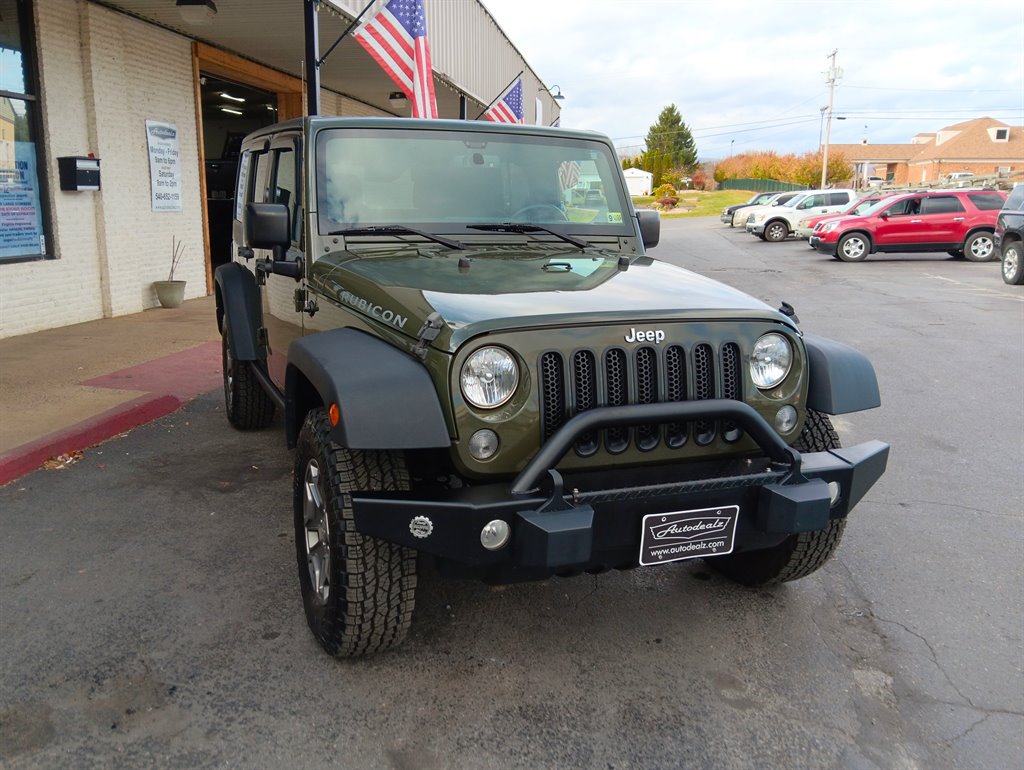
{"points": [[447, 181]]}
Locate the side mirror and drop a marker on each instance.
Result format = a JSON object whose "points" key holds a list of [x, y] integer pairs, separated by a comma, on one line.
{"points": [[267, 227], [884, 215], [650, 228]]}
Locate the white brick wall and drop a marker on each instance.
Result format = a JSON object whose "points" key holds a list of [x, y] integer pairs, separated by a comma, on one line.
{"points": [[103, 75]]}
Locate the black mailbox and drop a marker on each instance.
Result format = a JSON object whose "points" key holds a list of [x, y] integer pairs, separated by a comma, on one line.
{"points": [[78, 173]]}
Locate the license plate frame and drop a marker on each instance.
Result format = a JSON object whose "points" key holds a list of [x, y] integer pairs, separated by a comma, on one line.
{"points": [[692, 534]]}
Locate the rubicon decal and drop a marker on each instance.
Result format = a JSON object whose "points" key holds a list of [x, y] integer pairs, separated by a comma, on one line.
{"points": [[377, 311], [688, 534]]}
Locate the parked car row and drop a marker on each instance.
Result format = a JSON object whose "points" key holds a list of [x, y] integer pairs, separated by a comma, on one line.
{"points": [[974, 224]]}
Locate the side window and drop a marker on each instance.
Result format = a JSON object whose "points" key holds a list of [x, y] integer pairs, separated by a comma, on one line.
{"points": [[941, 204], [838, 199], [986, 201], [285, 189], [904, 207], [242, 185]]}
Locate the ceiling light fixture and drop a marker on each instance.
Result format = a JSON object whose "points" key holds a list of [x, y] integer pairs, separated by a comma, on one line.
{"points": [[232, 98], [196, 12], [232, 111], [397, 99]]}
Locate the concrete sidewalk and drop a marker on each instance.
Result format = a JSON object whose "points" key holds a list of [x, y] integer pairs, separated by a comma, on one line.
{"points": [[63, 390]]}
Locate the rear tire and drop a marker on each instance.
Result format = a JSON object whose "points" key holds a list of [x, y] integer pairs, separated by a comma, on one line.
{"points": [[853, 248], [358, 592], [798, 555], [246, 404], [1012, 267], [980, 247]]}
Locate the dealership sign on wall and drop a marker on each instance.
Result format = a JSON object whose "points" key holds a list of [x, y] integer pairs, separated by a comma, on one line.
{"points": [[164, 165]]}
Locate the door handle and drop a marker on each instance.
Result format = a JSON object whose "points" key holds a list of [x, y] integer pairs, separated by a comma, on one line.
{"points": [[915, 221], [958, 219]]}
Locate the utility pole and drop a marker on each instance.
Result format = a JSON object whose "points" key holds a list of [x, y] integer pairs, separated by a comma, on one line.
{"points": [[833, 74]]}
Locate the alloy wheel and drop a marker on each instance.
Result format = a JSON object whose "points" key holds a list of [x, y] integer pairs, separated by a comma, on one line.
{"points": [[318, 532]]}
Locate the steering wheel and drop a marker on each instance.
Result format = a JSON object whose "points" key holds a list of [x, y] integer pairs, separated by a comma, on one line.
{"points": [[542, 208]]}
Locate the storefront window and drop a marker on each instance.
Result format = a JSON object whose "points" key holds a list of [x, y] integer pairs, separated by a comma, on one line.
{"points": [[22, 221]]}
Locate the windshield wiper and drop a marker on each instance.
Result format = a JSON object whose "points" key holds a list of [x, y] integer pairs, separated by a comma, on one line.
{"points": [[512, 227], [400, 230]]}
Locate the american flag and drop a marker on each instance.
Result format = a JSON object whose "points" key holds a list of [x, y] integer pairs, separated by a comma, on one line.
{"points": [[569, 174], [396, 36], [509, 108]]}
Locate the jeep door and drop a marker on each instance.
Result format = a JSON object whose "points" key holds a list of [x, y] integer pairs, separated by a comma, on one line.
{"points": [[278, 179]]}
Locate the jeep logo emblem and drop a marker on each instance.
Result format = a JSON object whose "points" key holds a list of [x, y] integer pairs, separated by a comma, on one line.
{"points": [[654, 335]]}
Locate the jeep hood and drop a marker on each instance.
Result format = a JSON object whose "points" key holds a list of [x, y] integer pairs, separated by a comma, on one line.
{"points": [[493, 288]]}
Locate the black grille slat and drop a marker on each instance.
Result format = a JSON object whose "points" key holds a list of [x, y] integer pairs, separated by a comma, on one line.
{"points": [[647, 375], [732, 387], [584, 377], [647, 436], [703, 389], [552, 403], [675, 390], [617, 379]]}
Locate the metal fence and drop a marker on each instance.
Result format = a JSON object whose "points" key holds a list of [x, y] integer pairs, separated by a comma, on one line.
{"points": [[759, 185]]}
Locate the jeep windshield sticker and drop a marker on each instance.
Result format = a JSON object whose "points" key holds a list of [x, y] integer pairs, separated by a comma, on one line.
{"points": [[615, 216], [376, 311]]}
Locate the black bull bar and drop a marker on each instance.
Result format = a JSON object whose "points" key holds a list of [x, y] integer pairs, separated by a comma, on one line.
{"points": [[794, 492]]}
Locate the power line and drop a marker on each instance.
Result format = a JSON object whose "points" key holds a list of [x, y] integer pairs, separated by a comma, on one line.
{"points": [[938, 90]]}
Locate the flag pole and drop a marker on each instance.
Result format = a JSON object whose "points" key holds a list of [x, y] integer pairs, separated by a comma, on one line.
{"points": [[344, 34], [501, 93]]}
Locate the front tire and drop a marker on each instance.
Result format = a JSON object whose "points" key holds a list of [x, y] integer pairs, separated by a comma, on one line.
{"points": [[775, 232], [358, 592], [798, 555], [853, 248], [1012, 268], [979, 247], [246, 404]]}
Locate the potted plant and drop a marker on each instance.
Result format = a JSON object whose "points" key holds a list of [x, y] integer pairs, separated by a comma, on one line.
{"points": [[171, 293]]}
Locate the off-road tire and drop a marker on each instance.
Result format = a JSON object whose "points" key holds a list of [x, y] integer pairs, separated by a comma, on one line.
{"points": [[854, 247], [798, 555], [246, 404], [1012, 268], [980, 247], [370, 584], [776, 231]]}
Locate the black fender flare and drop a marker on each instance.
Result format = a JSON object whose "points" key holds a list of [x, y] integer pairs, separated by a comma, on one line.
{"points": [[238, 298], [842, 379], [386, 397]]}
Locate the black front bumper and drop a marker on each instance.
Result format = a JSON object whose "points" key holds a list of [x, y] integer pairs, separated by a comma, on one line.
{"points": [[593, 521]]}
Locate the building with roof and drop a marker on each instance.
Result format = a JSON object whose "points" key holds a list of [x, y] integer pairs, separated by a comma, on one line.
{"points": [[982, 146], [110, 85]]}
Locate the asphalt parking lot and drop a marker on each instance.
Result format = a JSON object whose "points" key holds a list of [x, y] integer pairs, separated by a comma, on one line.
{"points": [[150, 614]]}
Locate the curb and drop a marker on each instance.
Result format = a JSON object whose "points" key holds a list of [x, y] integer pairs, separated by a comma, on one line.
{"points": [[28, 457]]}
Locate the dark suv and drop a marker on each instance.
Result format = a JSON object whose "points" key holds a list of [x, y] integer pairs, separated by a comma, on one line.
{"points": [[959, 222], [1009, 234], [476, 369]]}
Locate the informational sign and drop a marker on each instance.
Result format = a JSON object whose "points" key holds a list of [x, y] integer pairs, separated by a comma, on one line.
{"points": [[21, 220], [164, 165]]}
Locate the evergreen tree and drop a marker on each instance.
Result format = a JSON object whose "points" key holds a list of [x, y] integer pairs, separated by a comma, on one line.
{"points": [[671, 138]]}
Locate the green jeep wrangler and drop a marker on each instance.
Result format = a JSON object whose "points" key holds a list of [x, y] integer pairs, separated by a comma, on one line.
{"points": [[477, 365]]}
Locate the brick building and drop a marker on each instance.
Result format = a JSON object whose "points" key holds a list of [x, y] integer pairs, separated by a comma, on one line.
{"points": [[81, 78], [983, 146]]}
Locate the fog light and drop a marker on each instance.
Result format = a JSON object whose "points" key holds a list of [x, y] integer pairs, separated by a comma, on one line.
{"points": [[495, 535], [483, 444], [785, 419], [833, 493]]}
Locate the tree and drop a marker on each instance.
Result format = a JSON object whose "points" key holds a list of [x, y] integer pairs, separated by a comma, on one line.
{"points": [[671, 139]]}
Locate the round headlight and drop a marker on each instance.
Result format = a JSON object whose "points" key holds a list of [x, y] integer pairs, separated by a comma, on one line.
{"points": [[489, 378], [770, 361]]}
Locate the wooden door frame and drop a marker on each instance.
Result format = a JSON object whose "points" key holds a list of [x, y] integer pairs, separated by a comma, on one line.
{"points": [[213, 61]]}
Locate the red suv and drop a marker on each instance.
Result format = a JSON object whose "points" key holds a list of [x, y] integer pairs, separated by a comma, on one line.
{"points": [[959, 222]]}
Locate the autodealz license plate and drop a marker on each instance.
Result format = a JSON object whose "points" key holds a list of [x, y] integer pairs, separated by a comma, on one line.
{"points": [[688, 534]]}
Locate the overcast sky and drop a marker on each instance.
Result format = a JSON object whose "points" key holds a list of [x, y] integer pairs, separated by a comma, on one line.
{"points": [[749, 75]]}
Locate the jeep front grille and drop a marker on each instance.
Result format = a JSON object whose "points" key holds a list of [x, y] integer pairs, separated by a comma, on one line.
{"points": [[645, 375]]}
